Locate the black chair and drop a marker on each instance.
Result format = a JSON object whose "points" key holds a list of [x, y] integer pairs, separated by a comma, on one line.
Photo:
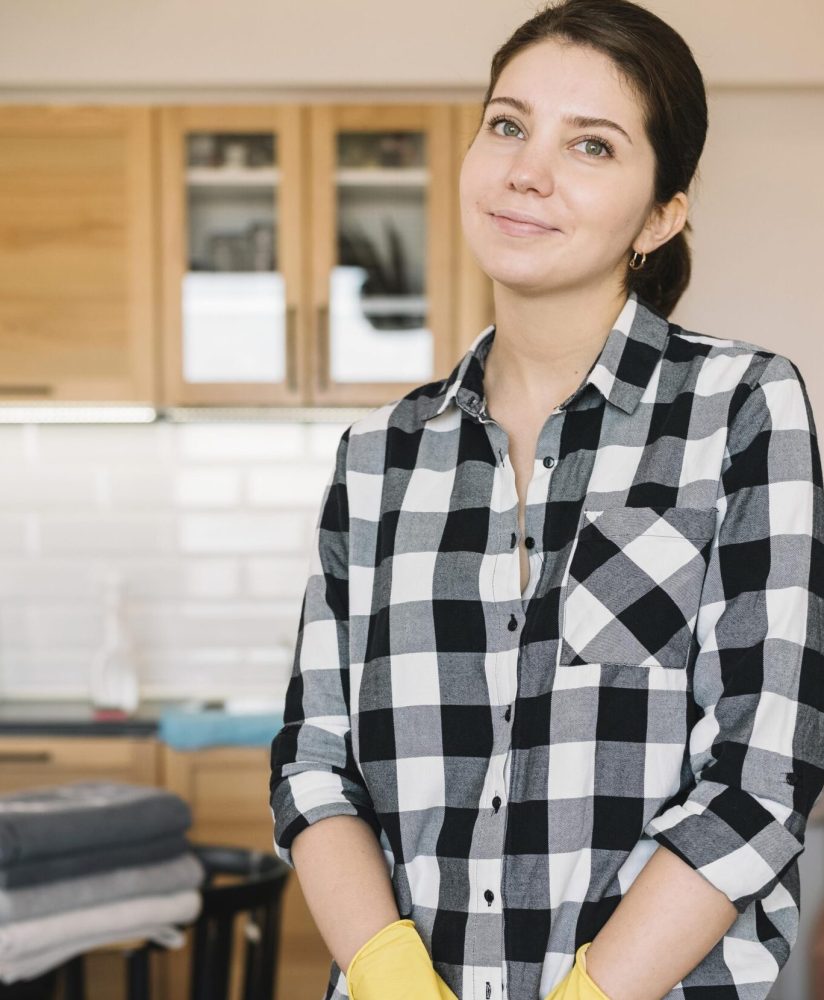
{"points": [[259, 894], [256, 891]]}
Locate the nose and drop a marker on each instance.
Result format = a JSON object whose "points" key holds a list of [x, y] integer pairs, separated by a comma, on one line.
{"points": [[531, 170]]}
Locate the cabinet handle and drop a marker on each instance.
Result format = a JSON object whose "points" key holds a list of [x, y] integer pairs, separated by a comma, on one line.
{"points": [[291, 346], [25, 757], [323, 345], [28, 390]]}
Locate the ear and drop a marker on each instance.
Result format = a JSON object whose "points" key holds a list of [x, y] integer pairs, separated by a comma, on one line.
{"points": [[664, 222]]}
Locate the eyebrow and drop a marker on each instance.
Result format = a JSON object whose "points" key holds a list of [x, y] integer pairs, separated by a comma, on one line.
{"points": [[579, 121]]}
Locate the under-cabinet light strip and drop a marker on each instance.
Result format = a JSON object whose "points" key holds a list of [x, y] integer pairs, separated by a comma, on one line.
{"points": [[83, 414]]}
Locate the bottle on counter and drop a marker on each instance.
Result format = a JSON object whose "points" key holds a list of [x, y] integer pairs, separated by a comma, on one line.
{"points": [[113, 679]]}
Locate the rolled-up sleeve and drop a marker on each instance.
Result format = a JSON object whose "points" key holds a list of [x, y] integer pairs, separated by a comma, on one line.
{"points": [[756, 749], [313, 772]]}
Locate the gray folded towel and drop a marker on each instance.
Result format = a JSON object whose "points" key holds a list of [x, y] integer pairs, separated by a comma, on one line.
{"points": [[185, 872], [50, 822], [82, 862], [31, 947]]}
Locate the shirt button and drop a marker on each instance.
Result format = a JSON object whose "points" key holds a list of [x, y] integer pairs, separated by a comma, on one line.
{"points": [[549, 461], [529, 542], [496, 803], [508, 712], [513, 623], [513, 540], [489, 896], [791, 778]]}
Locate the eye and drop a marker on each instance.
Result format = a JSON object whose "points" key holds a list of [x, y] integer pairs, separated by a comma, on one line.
{"points": [[599, 142], [500, 118]]}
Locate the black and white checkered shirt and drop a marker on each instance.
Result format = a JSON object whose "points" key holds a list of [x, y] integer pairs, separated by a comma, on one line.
{"points": [[659, 682]]}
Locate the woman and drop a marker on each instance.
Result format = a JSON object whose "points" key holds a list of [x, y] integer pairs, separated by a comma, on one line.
{"points": [[557, 687]]}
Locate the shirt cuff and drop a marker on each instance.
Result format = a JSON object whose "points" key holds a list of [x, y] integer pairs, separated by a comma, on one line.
{"points": [[731, 837]]}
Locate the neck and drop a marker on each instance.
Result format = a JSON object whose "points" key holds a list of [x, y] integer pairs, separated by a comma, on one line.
{"points": [[543, 348]]}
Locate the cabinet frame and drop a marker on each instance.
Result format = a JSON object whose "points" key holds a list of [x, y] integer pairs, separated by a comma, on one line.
{"points": [[287, 122], [435, 120]]}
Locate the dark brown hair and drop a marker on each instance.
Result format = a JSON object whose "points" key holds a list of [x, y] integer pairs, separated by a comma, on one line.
{"points": [[659, 66]]}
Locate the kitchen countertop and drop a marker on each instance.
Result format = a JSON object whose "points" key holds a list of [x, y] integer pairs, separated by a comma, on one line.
{"points": [[75, 718]]}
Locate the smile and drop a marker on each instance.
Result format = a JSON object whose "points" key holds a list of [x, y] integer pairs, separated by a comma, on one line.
{"points": [[513, 228]]}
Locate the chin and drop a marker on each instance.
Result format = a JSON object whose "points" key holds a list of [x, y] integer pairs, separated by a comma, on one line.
{"points": [[523, 279]]}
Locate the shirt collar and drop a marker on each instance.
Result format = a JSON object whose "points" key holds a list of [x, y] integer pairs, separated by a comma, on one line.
{"points": [[620, 373]]}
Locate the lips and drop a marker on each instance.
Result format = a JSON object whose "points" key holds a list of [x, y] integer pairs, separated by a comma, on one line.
{"points": [[521, 217], [517, 227]]}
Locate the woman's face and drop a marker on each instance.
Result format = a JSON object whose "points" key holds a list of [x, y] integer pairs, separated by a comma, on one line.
{"points": [[538, 164]]}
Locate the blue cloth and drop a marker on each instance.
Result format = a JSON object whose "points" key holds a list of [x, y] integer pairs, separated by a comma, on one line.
{"points": [[189, 729]]}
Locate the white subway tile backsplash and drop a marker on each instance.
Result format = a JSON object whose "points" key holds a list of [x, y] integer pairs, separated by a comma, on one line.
{"points": [[14, 536], [108, 532], [213, 675], [240, 442], [301, 486], [44, 578], [323, 440], [210, 624], [207, 487], [33, 625], [32, 489], [13, 444], [180, 578], [280, 576], [31, 672], [131, 489], [99, 444], [241, 532], [209, 525]]}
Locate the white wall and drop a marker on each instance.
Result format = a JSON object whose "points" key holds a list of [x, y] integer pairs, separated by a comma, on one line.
{"points": [[359, 42]]}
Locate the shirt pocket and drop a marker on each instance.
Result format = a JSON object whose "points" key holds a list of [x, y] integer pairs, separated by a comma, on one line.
{"points": [[634, 584]]}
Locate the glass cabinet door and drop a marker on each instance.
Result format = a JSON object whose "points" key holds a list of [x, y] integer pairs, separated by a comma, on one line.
{"points": [[232, 251], [382, 199]]}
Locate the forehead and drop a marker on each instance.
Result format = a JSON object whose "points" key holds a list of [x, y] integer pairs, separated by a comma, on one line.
{"points": [[553, 76]]}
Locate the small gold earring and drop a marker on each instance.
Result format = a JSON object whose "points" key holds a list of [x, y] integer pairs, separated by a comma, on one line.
{"points": [[637, 267]]}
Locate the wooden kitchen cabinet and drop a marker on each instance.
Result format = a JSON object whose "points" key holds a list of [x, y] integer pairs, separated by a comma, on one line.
{"points": [[234, 255], [473, 288], [77, 281], [31, 761], [233, 249], [307, 252], [382, 262]]}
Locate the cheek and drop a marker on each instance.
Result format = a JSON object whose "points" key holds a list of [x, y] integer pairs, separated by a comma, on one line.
{"points": [[611, 209], [466, 180], [470, 191]]}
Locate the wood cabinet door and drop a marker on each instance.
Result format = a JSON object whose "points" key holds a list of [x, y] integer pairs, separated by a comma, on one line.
{"points": [[233, 254], [473, 288], [32, 761], [227, 789], [382, 261], [77, 288]]}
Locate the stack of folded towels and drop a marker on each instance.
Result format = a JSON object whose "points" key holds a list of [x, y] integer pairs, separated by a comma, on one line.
{"points": [[90, 863]]}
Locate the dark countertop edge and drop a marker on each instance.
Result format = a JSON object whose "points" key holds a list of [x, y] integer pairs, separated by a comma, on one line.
{"points": [[72, 717], [126, 727]]}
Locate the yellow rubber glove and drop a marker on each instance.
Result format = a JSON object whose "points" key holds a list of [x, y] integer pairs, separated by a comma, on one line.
{"points": [[577, 985], [395, 965]]}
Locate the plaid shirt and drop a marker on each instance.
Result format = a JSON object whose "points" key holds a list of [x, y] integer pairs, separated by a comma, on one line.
{"points": [[659, 682]]}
